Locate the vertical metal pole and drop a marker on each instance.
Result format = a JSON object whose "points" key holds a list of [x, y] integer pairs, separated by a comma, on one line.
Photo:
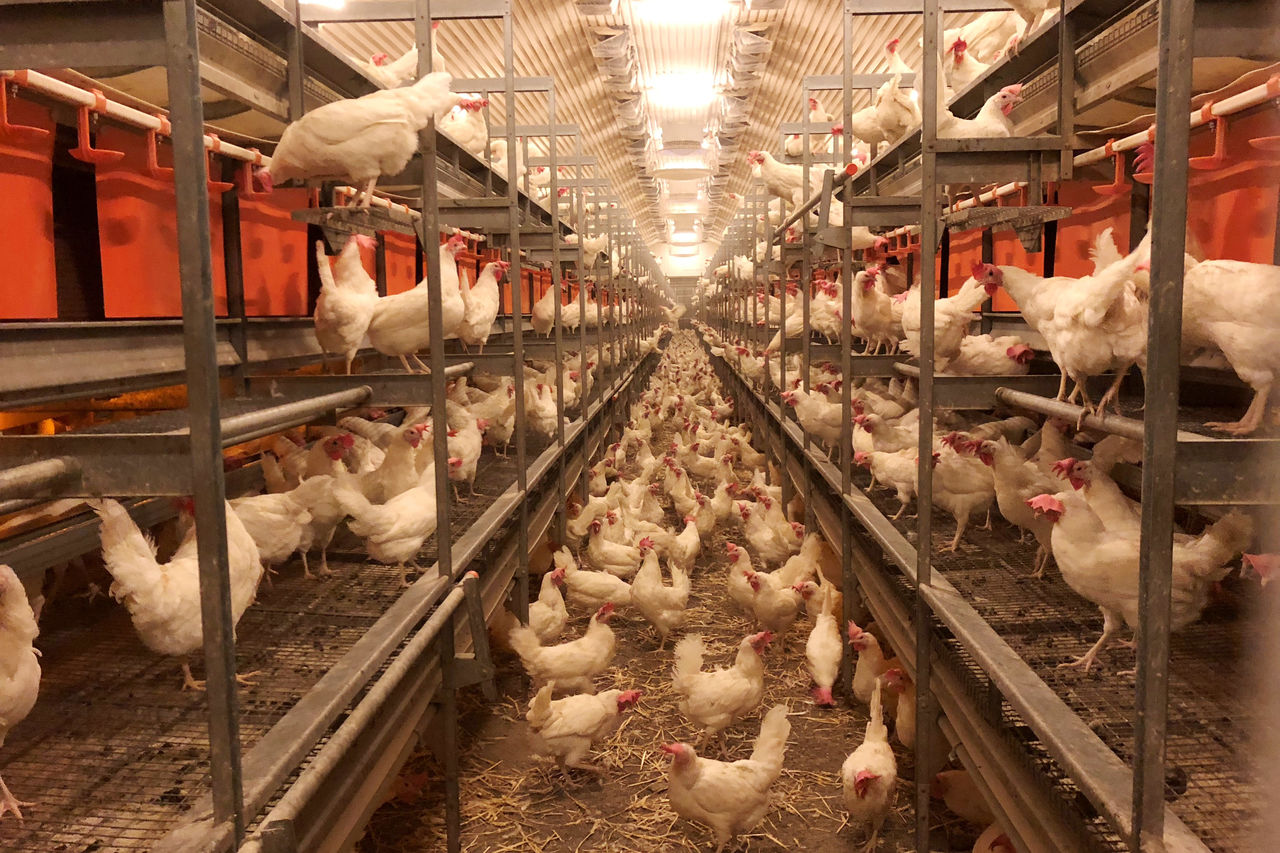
{"points": [[517, 301], [296, 71], [1160, 423], [199, 339], [449, 737], [557, 277], [924, 491], [429, 233], [848, 586], [1066, 92], [576, 205]]}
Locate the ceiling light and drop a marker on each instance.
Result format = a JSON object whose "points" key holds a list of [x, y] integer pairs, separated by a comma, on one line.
{"points": [[684, 238], [680, 12], [682, 90], [328, 4]]}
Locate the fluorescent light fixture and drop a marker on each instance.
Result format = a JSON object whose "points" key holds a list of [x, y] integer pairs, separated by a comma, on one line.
{"points": [[680, 12], [327, 4], [684, 238], [682, 89]]}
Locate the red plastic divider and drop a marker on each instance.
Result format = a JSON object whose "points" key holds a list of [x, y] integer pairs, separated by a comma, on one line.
{"points": [[137, 229], [273, 251], [28, 289], [401, 269]]}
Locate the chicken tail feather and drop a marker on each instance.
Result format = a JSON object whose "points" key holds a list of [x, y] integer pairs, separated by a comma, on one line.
{"points": [[876, 729], [688, 659], [127, 553], [524, 641], [1227, 537], [540, 708], [771, 744]]}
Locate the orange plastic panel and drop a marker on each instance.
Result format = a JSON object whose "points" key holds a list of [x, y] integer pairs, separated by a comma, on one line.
{"points": [[1090, 213], [400, 262], [273, 249], [137, 228], [1231, 210], [28, 289]]}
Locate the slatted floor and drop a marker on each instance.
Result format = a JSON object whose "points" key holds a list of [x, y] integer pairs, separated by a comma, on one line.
{"points": [[1209, 783], [115, 753]]}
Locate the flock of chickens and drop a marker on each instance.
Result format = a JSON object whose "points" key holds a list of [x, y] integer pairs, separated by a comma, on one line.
{"points": [[376, 477], [349, 309], [1090, 325], [1078, 515], [626, 545]]}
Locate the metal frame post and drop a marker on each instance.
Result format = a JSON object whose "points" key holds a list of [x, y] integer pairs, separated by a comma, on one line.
{"points": [[429, 234], [924, 491], [1160, 421], [199, 338]]}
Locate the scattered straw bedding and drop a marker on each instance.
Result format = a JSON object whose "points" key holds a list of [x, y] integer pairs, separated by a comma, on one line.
{"points": [[512, 801]]}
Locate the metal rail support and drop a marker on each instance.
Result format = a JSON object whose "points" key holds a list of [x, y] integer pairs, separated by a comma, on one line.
{"points": [[930, 98], [1160, 423]]}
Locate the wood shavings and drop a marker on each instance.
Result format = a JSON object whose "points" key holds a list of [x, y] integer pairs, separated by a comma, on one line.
{"points": [[512, 802]]}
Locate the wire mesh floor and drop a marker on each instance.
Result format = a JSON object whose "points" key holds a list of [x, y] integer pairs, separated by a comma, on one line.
{"points": [[115, 753], [1210, 784]]}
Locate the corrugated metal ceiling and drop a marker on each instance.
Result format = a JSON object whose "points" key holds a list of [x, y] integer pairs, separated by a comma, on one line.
{"points": [[553, 39]]}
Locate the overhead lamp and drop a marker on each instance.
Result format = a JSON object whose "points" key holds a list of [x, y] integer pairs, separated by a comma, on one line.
{"points": [[684, 238], [682, 89], [681, 12], [328, 4]]}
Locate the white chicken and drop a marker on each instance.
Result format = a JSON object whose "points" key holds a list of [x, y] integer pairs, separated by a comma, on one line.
{"points": [[19, 667], [359, 139], [1101, 564], [163, 599], [347, 298], [662, 606], [465, 125], [565, 729], [739, 587], [961, 67], [400, 324], [731, 798], [822, 652], [991, 122], [571, 665], [951, 316], [1234, 306], [870, 775], [394, 532], [591, 589], [985, 355], [716, 700], [480, 305]]}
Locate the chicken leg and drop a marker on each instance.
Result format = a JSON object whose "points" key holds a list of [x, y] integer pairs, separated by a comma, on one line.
{"points": [[365, 196], [1113, 392], [1252, 417], [1110, 625], [10, 803]]}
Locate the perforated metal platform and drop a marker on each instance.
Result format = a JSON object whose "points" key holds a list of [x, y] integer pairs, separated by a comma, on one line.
{"points": [[115, 753]]}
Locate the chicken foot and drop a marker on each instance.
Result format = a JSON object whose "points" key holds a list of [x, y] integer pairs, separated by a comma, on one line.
{"points": [[1113, 393], [1110, 625], [10, 803], [955, 542], [1252, 417], [322, 572], [189, 682], [1041, 563]]}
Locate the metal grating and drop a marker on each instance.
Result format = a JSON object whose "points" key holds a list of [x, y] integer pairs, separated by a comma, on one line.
{"points": [[1209, 784], [115, 754]]}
